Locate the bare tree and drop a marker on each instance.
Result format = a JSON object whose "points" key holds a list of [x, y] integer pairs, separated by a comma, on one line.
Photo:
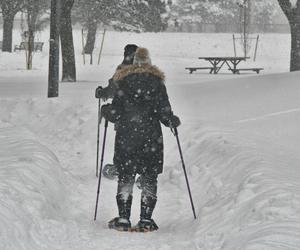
{"points": [[292, 11], [9, 10], [90, 14], [34, 10], [125, 15], [67, 45]]}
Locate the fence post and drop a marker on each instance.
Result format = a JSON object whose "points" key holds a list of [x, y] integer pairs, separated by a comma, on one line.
{"points": [[234, 48], [257, 39], [82, 40]]}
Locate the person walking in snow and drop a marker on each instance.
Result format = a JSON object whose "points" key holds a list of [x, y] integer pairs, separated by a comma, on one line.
{"points": [[109, 91], [109, 170], [139, 105]]}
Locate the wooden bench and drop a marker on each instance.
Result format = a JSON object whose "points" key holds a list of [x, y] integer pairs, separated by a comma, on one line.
{"points": [[192, 69], [37, 46], [237, 71]]}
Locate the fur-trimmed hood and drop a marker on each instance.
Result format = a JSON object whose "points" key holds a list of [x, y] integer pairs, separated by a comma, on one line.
{"points": [[138, 69]]}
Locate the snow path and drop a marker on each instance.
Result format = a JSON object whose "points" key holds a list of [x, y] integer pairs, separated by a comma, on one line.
{"points": [[238, 193]]}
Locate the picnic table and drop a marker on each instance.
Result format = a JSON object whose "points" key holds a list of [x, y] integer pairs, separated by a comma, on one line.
{"points": [[218, 62], [37, 46]]}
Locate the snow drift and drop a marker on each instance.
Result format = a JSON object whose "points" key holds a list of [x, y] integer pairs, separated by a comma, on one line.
{"points": [[32, 188]]}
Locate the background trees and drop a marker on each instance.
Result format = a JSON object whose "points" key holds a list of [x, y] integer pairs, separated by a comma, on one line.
{"points": [[211, 11], [126, 15], [92, 13], [35, 11], [67, 44], [225, 13], [291, 9], [9, 10]]}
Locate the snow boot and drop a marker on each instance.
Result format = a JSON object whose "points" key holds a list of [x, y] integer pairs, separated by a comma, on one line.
{"points": [[122, 223], [146, 224]]}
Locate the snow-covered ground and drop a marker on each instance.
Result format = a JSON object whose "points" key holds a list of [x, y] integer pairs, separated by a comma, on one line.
{"points": [[239, 135]]}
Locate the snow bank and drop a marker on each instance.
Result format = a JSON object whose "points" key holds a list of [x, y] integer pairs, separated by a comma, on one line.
{"points": [[39, 208], [32, 187], [245, 199]]}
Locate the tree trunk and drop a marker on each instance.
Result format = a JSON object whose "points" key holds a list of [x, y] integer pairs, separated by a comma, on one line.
{"points": [[91, 38], [67, 46], [8, 23], [53, 74], [30, 49], [293, 15], [31, 21], [295, 46]]}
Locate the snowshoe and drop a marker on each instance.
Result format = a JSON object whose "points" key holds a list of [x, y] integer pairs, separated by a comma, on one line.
{"points": [[120, 224], [110, 171], [145, 226]]}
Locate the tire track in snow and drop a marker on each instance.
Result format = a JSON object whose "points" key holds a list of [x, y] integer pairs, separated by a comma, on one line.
{"points": [[269, 115]]}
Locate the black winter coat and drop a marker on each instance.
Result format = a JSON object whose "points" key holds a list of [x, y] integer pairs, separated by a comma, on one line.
{"points": [[139, 105]]}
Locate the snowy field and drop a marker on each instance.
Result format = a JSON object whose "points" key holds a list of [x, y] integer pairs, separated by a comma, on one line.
{"points": [[240, 138]]}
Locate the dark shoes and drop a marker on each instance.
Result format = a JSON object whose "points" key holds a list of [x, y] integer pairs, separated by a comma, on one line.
{"points": [[145, 226], [120, 224]]}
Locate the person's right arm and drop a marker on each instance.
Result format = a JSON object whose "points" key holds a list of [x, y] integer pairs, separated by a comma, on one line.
{"points": [[107, 92]]}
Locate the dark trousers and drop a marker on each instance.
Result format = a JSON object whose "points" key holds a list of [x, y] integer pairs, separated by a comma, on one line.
{"points": [[148, 184], [148, 196]]}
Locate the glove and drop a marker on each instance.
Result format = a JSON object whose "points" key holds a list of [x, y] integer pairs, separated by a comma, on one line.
{"points": [[110, 81], [98, 92], [174, 122], [109, 113]]}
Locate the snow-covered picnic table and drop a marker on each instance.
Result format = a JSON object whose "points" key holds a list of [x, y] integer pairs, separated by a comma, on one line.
{"points": [[219, 61]]}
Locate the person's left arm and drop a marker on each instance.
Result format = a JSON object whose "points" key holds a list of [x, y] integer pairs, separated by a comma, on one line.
{"points": [[112, 112]]}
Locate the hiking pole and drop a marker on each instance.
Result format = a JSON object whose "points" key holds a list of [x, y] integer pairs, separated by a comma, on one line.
{"points": [[98, 133], [175, 132], [101, 165]]}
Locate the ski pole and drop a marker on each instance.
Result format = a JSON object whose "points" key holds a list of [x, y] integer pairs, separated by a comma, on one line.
{"points": [[101, 165], [175, 132], [98, 133]]}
